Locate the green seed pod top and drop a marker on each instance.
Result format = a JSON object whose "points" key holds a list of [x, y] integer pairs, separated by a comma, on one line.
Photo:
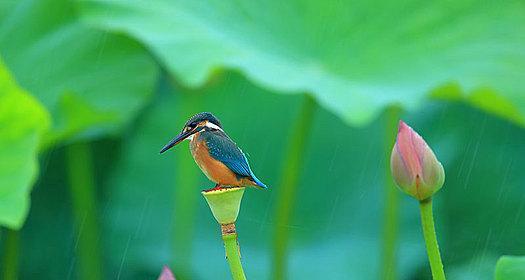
{"points": [[224, 203]]}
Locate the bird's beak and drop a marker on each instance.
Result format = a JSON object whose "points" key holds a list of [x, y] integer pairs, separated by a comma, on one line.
{"points": [[180, 138]]}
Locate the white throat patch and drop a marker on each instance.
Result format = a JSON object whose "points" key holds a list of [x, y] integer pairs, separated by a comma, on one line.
{"points": [[214, 126]]}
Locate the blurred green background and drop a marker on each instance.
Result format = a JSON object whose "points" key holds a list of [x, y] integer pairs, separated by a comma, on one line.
{"points": [[311, 91]]}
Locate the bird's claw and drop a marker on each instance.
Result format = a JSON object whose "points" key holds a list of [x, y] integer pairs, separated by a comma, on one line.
{"points": [[216, 188]]}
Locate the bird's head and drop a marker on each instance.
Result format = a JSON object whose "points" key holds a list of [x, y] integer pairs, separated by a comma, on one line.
{"points": [[197, 123]]}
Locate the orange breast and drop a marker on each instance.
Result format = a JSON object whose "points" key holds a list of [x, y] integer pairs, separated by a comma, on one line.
{"points": [[215, 170]]}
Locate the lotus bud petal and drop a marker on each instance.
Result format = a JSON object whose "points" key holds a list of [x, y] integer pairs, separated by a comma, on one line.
{"points": [[166, 274], [414, 166]]}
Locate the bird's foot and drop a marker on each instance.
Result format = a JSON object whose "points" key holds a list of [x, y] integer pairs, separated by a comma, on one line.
{"points": [[216, 188]]}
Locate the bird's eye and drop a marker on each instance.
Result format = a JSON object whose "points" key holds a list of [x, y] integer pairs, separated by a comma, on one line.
{"points": [[191, 126]]}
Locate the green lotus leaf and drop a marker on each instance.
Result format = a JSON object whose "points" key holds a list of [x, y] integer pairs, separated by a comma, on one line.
{"points": [[91, 82], [23, 120], [355, 57], [510, 268]]}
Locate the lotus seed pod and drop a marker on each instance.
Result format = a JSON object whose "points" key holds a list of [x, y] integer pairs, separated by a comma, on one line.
{"points": [[224, 203]]}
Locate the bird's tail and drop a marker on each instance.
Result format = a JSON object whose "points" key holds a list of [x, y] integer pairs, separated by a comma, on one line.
{"points": [[258, 183]]}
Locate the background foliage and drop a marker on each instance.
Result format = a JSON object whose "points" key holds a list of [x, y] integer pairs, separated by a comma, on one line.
{"points": [[93, 89]]}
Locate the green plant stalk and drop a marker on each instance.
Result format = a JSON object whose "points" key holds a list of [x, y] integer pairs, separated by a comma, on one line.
{"points": [[185, 206], [81, 181], [291, 170], [10, 257], [233, 255], [225, 205], [429, 232], [184, 211], [391, 210]]}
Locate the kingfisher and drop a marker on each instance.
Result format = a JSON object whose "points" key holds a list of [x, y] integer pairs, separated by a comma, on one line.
{"points": [[219, 158]]}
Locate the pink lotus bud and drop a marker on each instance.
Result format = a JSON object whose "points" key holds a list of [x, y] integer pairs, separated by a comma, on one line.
{"points": [[414, 166], [166, 274]]}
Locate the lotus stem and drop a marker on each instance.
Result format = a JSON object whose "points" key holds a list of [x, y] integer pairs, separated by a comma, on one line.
{"points": [[429, 232], [185, 206], [10, 258], [233, 256], [391, 210], [82, 183], [288, 187]]}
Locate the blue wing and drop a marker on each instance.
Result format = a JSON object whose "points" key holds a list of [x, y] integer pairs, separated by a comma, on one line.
{"points": [[223, 149]]}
